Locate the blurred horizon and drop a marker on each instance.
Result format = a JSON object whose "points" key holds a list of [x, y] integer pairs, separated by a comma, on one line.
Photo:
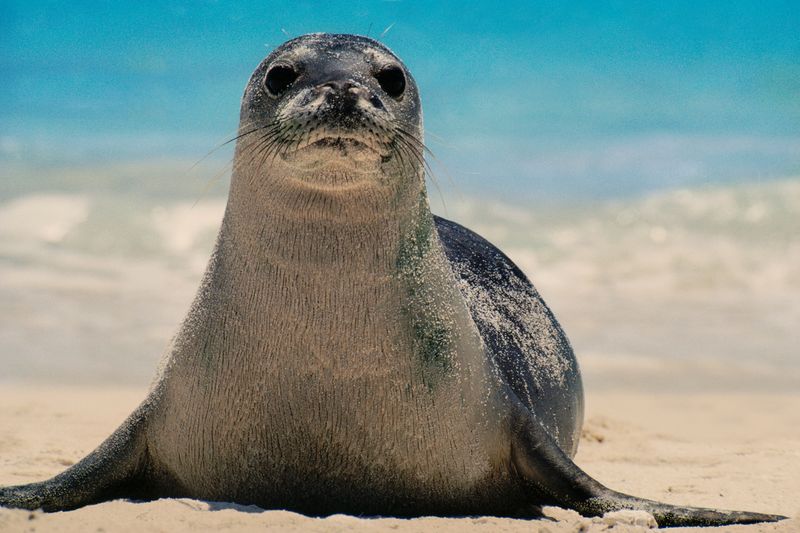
{"points": [[534, 102]]}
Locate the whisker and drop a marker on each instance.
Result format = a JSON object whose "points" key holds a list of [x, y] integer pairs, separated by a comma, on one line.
{"points": [[213, 180], [223, 144], [439, 139], [229, 165], [384, 32], [430, 153], [417, 148]]}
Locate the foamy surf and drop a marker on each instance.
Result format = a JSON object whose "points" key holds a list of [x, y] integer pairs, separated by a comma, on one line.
{"points": [[701, 283]]}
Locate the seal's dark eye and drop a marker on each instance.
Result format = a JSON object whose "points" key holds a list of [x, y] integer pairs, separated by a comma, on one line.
{"points": [[392, 80], [279, 78]]}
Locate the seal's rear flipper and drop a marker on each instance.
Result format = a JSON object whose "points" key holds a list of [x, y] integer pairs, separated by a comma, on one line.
{"points": [[537, 458], [111, 471]]}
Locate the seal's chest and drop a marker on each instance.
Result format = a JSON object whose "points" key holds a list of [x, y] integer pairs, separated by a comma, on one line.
{"points": [[294, 399], [376, 441], [377, 434]]}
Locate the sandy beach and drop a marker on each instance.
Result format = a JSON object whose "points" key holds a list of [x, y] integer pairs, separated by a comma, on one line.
{"points": [[726, 450], [640, 166]]}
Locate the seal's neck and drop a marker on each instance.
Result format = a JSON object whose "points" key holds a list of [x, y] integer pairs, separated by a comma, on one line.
{"points": [[357, 230], [360, 268]]}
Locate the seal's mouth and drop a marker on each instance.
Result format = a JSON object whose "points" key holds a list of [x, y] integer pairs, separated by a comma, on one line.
{"points": [[340, 143]]}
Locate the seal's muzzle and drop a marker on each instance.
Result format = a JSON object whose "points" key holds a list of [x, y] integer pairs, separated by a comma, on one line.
{"points": [[344, 102]]}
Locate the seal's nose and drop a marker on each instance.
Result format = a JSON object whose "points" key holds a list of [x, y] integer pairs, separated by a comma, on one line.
{"points": [[340, 86], [345, 93], [342, 91], [342, 95]]}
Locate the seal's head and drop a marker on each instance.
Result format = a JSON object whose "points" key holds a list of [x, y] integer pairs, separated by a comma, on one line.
{"points": [[331, 111]]}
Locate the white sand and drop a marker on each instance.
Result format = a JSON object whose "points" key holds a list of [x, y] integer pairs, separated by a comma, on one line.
{"points": [[736, 451]]}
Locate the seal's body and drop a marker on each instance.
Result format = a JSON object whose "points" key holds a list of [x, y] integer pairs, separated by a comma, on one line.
{"points": [[347, 350]]}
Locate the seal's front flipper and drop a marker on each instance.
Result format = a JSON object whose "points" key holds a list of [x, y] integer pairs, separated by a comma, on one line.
{"points": [[539, 461], [111, 471]]}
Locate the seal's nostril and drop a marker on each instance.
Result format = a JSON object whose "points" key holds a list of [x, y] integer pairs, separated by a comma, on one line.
{"points": [[339, 85], [376, 102]]}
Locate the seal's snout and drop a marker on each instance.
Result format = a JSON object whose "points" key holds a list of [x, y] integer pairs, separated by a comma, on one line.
{"points": [[344, 106], [345, 97], [341, 96]]}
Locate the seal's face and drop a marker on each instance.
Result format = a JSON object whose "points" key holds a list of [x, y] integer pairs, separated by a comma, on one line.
{"points": [[332, 108]]}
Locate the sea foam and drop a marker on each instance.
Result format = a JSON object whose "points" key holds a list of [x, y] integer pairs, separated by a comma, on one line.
{"points": [[707, 279]]}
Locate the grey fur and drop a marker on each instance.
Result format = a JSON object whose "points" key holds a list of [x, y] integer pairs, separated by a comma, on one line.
{"points": [[346, 351]]}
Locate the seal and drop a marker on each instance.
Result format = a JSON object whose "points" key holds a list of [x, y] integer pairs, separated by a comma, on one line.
{"points": [[348, 351]]}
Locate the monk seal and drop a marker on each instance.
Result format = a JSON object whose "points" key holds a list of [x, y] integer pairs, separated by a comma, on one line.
{"points": [[348, 351]]}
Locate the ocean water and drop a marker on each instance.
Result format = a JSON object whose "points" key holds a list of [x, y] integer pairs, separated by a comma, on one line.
{"points": [[690, 288], [542, 100], [640, 165]]}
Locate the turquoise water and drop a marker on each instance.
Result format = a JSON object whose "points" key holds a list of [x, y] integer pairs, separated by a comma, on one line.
{"points": [[577, 100]]}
